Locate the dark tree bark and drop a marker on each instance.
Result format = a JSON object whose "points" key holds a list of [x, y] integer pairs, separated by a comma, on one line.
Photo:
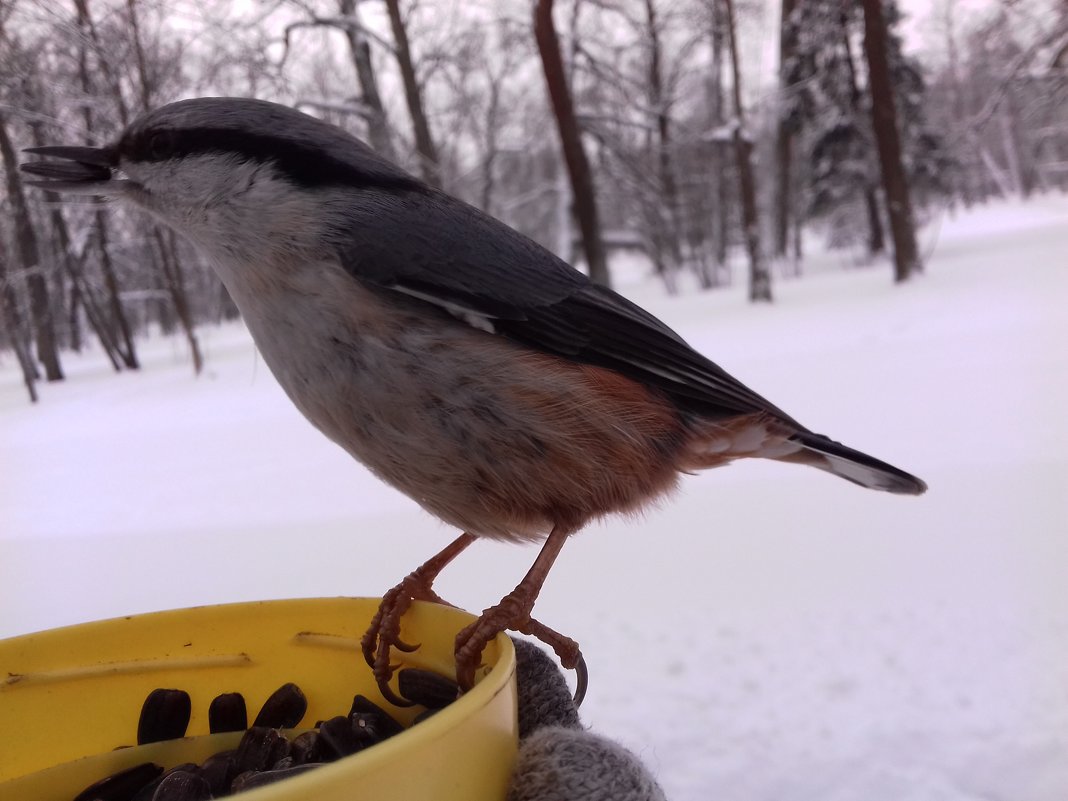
{"points": [[74, 318], [377, 125], [718, 106], [111, 283], [88, 34], [490, 137], [759, 275], [120, 333], [81, 294], [12, 322], [429, 167], [144, 84], [578, 165], [784, 138], [44, 328], [669, 225], [174, 280], [169, 261], [876, 237], [884, 119]]}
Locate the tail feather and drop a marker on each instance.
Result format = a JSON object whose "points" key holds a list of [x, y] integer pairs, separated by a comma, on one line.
{"points": [[852, 465]]}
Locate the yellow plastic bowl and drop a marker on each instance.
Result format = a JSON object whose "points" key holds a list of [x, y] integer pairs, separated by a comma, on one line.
{"points": [[69, 696]]}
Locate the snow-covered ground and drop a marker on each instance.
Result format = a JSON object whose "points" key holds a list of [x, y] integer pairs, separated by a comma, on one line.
{"points": [[769, 633]]}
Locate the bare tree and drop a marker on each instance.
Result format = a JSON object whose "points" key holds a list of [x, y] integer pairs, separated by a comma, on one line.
{"points": [[717, 114], [358, 37], [657, 152], [659, 103], [29, 255], [884, 119], [784, 137], [360, 49], [578, 165], [759, 275], [82, 295], [13, 327], [424, 142], [122, 338], [876, 239], [483, 108], [169, 262]]}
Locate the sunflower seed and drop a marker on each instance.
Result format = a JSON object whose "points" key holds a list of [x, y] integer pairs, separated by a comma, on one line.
{"points": [[427, 688], [121, 786], [164, 716], [284, 709], [227, 713]]}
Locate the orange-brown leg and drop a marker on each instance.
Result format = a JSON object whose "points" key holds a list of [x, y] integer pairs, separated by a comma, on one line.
{"points": [[384, 631], [513, 612]]}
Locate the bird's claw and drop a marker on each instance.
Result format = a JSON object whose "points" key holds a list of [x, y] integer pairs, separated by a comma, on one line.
{"points": [[568, 652], [513, 613], [384, 632]]}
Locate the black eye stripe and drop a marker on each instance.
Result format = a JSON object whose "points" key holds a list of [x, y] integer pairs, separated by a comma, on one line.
{"points": [[303, 165], [160, 145]]}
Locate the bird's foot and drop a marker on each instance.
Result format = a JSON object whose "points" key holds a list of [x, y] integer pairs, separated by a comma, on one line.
{"points": [[568, 652], [513, 612], [384, 631]]}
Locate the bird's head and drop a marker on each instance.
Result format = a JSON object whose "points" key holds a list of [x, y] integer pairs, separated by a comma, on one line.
{"points": [[232, 174]]}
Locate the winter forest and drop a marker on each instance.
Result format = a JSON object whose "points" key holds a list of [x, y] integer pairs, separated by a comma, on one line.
{"points": [[859, 208], [712, 138]]}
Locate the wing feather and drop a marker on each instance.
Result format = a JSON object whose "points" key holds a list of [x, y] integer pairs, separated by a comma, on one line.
{"points": [[439, 249]]}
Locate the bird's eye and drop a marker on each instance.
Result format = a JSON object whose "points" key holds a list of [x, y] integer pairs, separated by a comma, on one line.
{"points": [[160, 145]]}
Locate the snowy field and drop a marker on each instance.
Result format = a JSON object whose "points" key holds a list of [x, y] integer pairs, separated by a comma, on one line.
{"points": [[771, 633]]}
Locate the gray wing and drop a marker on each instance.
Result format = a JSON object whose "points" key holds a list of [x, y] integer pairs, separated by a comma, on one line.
{"points": [[431, 246]]}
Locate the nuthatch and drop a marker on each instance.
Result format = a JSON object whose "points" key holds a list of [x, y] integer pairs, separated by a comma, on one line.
{"points": [[454, 357]]}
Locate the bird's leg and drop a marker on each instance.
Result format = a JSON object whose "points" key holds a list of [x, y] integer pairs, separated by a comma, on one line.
{"points": [[384, 631], [513, 612]]}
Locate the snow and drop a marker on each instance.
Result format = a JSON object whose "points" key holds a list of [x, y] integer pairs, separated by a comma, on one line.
{"points": [[768, 633]]}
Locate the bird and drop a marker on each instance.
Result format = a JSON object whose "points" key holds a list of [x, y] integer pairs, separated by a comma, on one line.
{"points": [[460, 361]]}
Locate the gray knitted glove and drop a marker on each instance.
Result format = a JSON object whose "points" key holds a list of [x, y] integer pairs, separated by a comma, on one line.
{"points": [[558, 759]]}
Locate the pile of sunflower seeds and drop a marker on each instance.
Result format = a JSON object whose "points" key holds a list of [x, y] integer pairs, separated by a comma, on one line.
{"points": [[265, 754]]}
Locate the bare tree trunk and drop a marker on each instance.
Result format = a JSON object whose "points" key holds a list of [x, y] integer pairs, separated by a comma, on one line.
{"points": [[797, 239], [669, 222], [884, 119], [876, 236], [429, 167], [377, 126], [144, 83], [489, 163], [12, 322], [88, 33], [759, 275], [720, 226], [174, 279], [81, 294], [170, 263], [1010, 143], [784, 138], [965, 179], [578, 166], [120, 334], [29, 254], [111, 283], [74, 318]]}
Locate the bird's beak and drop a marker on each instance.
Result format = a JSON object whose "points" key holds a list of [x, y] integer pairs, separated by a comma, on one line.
{"points": [[84, 170]]}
